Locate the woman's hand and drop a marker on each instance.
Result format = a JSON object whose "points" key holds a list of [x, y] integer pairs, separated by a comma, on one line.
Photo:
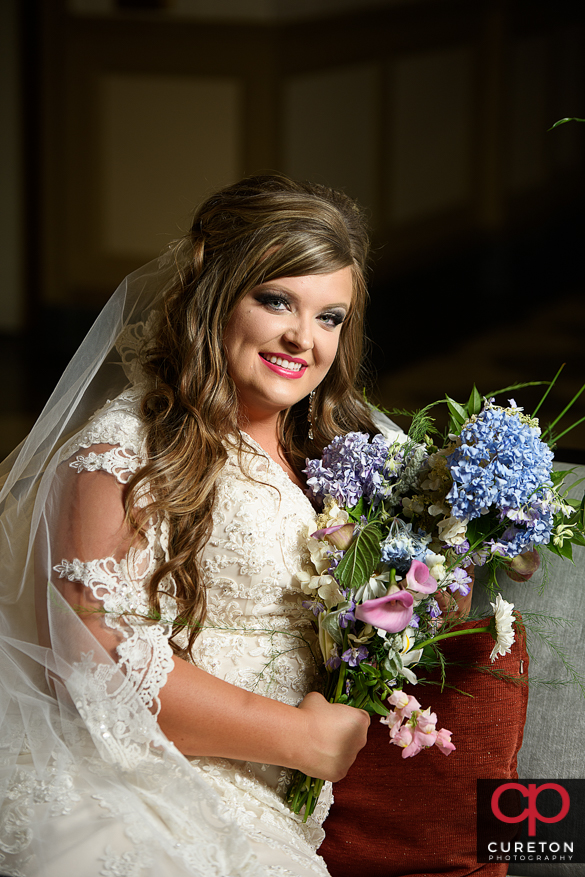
{"points": [[335, 734], [457, 607]]}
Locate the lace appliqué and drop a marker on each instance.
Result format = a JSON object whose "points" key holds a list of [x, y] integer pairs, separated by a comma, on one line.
{"points": [[117, 462]]}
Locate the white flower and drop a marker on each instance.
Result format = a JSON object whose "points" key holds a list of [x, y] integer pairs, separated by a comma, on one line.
{"points": [[376, 586], [452, 530], [436, 565], [325, 586], [331, 516], [329, 591], [320, 552], [409, 655], [504, 627], [412, 506]]}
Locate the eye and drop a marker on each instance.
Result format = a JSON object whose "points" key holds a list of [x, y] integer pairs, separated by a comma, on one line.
{"points": [[273, 300], [333, 318]]}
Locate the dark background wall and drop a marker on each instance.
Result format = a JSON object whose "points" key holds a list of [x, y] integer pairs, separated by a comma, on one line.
{"points": [[118, 116]]}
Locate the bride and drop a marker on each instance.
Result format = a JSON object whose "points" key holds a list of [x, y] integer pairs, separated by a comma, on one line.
{"points": [[157, 665]]}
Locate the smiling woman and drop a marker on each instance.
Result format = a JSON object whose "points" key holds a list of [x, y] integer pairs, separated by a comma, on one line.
{"points": [[157, 666]]}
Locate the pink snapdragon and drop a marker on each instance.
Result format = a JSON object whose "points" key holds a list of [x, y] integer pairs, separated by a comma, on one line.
{"points": [[443, 741], [413, 728]]}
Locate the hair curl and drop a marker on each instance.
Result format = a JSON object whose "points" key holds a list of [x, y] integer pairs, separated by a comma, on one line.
{"points": [[259, 229]]}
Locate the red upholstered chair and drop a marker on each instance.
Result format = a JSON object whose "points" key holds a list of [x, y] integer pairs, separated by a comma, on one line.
{"points": [[416, 817]]}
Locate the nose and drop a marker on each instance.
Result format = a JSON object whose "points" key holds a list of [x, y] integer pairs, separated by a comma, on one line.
{"points": [[299, 335]]}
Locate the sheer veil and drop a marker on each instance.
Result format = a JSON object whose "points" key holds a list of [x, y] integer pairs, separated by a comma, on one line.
{"points": [[81, 752]]}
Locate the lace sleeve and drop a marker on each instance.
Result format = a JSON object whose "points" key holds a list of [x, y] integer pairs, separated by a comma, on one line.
{"points": [[101, 568]]}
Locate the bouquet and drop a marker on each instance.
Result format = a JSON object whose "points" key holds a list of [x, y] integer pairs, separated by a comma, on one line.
{"points": [[403, 525]]}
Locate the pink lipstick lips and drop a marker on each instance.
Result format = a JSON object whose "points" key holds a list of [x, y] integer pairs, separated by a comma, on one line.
{"points": [[285, 366]]}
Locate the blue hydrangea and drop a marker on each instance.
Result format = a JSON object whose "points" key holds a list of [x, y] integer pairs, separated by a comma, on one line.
{"points": [[531, 525], [402, 546], [352, 466], [502, 464]]}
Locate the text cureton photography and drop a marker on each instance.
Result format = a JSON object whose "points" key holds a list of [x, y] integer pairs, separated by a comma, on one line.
{"points": [[531, 851]]}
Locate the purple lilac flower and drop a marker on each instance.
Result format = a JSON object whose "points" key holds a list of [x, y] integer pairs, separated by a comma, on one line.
{"points": [[538, 523], [348, 616], [353, 656], [333, 661], [461, 581], [433, 608], [315, 607], [462, 548], [351, 467]]}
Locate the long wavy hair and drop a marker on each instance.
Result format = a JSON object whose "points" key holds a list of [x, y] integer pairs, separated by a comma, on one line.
{"points": [[254, 231]]}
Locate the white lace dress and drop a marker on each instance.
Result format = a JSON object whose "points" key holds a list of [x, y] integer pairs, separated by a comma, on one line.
{"points": [[121, 801]]}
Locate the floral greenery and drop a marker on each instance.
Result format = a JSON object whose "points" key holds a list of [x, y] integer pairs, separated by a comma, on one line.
{"points": [[404, 522]]}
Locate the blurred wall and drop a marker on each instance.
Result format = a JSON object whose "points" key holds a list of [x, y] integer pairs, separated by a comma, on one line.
{"points": [[432, 113]]}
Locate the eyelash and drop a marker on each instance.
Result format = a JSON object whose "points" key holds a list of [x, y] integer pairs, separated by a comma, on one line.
{"points": [[329, 318]]}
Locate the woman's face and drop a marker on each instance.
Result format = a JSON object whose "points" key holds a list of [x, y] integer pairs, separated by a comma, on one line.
{"points": [[282, 339]]}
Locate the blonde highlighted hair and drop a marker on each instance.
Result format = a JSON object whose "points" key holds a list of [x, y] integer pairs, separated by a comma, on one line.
{"points": [[254, 231]]}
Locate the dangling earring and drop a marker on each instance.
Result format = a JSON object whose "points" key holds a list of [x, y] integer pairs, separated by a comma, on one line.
{"points": [[310, 414]]}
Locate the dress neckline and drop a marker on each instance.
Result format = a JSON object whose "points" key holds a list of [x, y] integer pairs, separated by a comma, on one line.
{"points": [[277, 468]]}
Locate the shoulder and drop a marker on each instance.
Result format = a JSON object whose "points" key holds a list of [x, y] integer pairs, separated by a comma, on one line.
{"points": [[118, 426]]}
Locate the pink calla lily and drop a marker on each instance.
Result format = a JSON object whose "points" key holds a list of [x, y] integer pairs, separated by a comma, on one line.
{"points": [[391, 613], [341, 535], [418, 578]]}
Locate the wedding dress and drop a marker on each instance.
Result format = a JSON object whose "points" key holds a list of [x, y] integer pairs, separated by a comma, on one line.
{"points": [[89, 785], [131, 804]]}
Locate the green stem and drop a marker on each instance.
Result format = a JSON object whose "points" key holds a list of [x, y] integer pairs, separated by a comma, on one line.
{"points": [[563, 412], [340, 681], [550, 386], [568, 429], [435, 639]]}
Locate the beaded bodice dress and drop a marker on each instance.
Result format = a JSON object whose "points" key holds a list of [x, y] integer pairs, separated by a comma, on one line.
{"points": [[129, 801]]}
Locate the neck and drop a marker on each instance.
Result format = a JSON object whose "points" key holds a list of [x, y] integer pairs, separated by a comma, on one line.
{"points": [[266, 437], [264, 430]]}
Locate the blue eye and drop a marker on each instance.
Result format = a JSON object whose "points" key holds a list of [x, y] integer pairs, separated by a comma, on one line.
{"points": [[333, 318], [273, 300]]}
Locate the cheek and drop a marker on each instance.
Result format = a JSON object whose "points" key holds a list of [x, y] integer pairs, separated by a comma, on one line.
{"points": [[330, 351]]}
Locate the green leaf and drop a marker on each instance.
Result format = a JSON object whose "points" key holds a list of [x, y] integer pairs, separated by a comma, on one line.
{"points": [[557, 476], [564, 550], [562, 122], [361, 558], [458, 412], [359, 509], [377, 705], [475, 402], [369, 672]]}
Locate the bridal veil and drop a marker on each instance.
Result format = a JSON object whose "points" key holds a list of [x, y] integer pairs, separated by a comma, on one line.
{"points": [[81, 752]]}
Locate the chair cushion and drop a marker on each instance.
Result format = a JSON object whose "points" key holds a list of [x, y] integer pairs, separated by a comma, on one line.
{"points": [[416, 817]]}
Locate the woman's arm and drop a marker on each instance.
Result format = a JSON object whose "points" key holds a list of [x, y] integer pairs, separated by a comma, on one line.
{"points": [[204, 715]]}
